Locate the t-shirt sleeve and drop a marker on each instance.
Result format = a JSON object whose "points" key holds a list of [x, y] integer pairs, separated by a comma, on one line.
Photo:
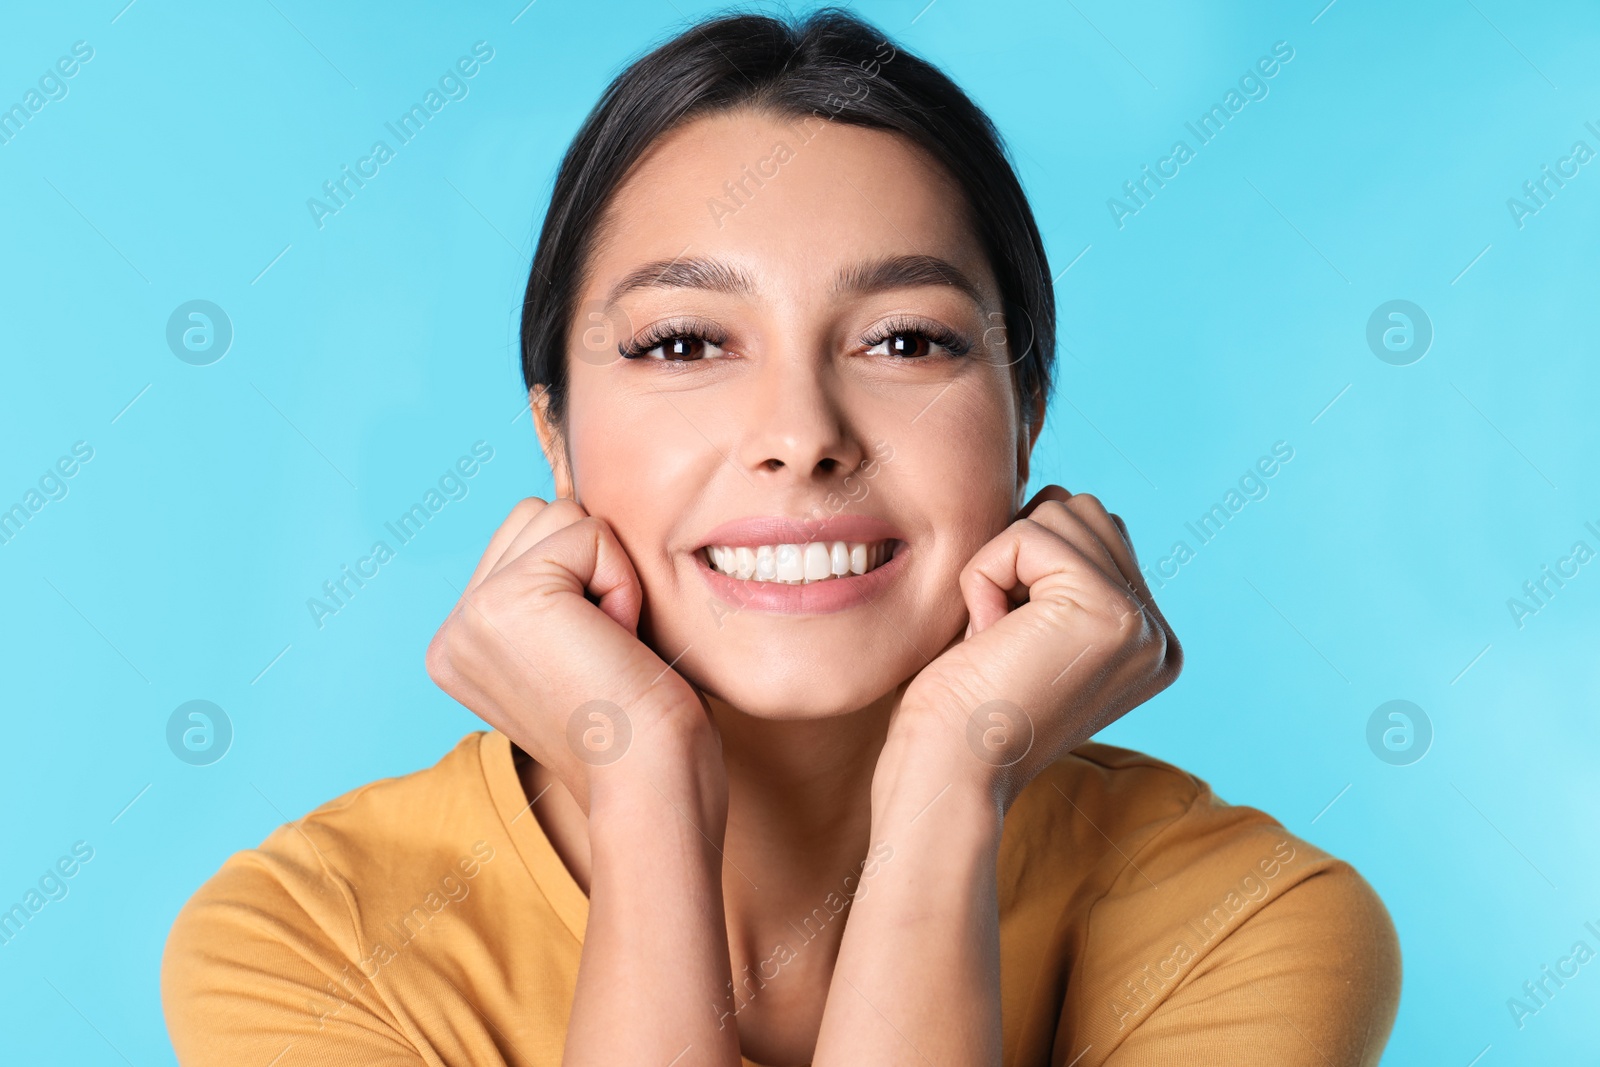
{"points": [[257, 970], [1312, 978]]}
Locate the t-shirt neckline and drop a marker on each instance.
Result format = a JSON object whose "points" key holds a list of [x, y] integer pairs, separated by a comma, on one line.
{"points": [[522, 826]]}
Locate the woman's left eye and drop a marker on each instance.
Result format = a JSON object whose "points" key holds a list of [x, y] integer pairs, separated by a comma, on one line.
{"points": [[906, 345], [917, 344]]}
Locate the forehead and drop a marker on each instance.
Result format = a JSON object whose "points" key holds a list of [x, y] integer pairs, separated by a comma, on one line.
{"points": [[790, 200]]}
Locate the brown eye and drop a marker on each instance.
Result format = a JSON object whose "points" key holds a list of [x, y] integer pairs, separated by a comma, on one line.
{"points": [[909, 345], [682, 348], [914, 342], [673, 348]]}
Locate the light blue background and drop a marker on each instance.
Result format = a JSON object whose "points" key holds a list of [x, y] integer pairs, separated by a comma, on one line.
{"points": [[1228, 314]]}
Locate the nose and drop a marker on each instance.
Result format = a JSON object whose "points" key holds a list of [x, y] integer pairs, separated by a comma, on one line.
{"points": [[796, 428]]}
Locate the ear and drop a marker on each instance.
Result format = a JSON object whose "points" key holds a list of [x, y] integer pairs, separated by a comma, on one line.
{"points": [[551, 441], [1025, 442]]}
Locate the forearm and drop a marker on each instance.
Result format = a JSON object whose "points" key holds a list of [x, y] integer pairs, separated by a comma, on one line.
{"points": [[918, 975], [655, 953]]}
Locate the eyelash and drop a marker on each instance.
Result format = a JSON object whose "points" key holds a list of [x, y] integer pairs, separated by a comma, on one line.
{"points": [[954, 344], [677, 329]]}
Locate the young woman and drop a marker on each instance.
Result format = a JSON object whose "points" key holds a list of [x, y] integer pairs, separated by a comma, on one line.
{"points": [[790, 690]]}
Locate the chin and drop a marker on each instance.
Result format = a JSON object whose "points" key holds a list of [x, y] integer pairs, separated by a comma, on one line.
{"points": [[780, 667], [792, 696]]}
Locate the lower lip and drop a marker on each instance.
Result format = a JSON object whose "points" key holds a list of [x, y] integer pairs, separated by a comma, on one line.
{"points": [[810, 598]]}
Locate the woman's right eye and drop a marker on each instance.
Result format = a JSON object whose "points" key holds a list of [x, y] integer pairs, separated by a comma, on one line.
{"points": [[680, 348]]}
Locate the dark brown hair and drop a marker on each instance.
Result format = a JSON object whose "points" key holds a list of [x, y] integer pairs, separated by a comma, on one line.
{"points": [[829, 64]]}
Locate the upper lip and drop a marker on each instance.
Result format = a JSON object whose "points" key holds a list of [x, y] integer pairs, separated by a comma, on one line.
{"points": [[781, 530]]}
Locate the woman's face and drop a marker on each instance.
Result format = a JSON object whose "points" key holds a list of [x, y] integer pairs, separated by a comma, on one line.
{"points": [[821, 358]]}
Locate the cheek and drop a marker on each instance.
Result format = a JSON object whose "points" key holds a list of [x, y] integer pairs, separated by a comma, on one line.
{"points": [[962, 458], [961, 481], [638, 471]]}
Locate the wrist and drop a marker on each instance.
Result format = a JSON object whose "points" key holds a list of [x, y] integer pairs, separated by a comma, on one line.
{"points": [[922, 778], [936, 841], [991, 751], [670, 772]]}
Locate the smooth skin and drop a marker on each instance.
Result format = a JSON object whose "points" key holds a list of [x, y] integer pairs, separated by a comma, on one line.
{"points": [[777, 762]]}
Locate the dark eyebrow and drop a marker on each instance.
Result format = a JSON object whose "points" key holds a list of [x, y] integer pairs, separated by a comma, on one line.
{"points": [[709, 274], [905, 272], [873, 276]]}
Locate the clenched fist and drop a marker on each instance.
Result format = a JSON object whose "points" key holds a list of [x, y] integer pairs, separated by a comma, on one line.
{"points": [[543, 646]]}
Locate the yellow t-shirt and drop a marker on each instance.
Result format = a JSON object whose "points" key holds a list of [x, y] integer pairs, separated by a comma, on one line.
{"points": [[428, 920]]}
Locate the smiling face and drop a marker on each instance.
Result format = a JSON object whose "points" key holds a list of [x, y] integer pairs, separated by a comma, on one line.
{"points": [[815, 357]]}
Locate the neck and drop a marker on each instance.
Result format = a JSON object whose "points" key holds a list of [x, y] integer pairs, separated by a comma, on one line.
{"points": [[799, 819], [800, 789]]}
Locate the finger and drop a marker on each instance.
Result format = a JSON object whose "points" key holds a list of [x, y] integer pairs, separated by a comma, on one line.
{"points": [[589, 551], [539, 521], [1054, 500], [1110, 529], [1049, 492], [556, 515], [1122, 526], [1114, 533], [521, 514], [1023, 555], [1060, 518], [1088, 507]]}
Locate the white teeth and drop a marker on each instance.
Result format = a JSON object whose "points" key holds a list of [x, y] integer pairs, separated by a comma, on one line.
{"points": [[793, 564], [791, 567]]}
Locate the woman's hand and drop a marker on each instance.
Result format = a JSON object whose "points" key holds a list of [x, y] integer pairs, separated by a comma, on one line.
{"points": [[1064, 638], [543, 647]]}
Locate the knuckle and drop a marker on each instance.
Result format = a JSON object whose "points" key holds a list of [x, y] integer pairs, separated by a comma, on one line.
{"points": [[575, 526], [1122, 617], [1129, 623], [438, 660], [560, 517], [526, 508], [488, 604], [567, 508]]}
